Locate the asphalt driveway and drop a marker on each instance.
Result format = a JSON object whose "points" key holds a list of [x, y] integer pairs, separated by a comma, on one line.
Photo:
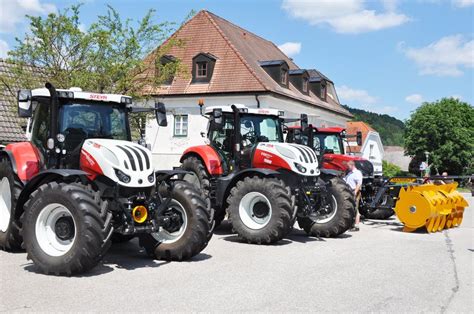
{"points": [[379, 268]]}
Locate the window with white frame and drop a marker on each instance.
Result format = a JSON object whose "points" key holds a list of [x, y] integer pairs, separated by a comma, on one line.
{"points": [[181, 125]]}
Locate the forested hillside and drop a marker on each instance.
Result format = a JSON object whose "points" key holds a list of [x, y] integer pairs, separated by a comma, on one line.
{"points": [[390, 129]]}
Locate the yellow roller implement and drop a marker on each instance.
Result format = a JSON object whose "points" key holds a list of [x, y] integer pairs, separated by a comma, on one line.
{"points": [[435, 207]]}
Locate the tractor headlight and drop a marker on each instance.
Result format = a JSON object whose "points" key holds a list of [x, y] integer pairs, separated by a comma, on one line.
{"points": [[122, 176], [285, 152], [151, 178], [300, 167]]}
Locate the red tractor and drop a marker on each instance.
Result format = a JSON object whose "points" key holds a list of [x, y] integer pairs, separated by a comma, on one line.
{"points": [[262, 183], [328, 144], [80, 181]]}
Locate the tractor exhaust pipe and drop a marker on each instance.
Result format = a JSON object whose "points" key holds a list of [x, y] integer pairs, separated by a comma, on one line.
{"points": [[53, 113], [53, 127], [237, 137]]}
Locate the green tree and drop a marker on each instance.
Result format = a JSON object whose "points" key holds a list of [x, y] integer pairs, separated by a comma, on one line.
{"points": [[113, 55], [390, 129], [445, 129]]}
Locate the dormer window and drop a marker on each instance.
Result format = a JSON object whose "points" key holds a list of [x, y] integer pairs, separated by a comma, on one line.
{"points": [[299, 78], [203, 67], [284, 76], [305, 84], [323, 90], [163, 71], [277, 70]]}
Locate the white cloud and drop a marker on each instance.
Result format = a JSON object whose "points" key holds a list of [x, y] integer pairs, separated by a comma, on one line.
{"points": [[462, 3], [445, 57], [415, 99], [290, 48], [13, 12], [359, 96], [346, 16], [3, 48]]}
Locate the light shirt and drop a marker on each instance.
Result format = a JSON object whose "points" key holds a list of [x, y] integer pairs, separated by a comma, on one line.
{"points": [[354, 178]]}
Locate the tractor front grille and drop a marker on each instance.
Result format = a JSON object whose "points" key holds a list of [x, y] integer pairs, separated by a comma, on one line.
{"points": [[137, 158]]}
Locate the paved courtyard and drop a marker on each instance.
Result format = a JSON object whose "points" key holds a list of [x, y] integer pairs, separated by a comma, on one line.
{"points": [[379, 268]]}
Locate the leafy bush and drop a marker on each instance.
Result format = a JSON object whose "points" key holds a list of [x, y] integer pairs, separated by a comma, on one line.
{"points": [[391, 170]]}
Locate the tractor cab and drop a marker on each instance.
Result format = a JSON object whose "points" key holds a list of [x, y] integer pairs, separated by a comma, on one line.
{"points": [[63, 122], [328, 144], [235, 131]]}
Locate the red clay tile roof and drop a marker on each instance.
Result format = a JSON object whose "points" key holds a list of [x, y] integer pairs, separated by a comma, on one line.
{"points": [[237, 68], [10, 130], [352, 127]]}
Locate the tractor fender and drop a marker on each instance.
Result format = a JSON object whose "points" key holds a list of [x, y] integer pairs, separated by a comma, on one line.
{"points": [[24, 158], [42, 178], [208, 155], [225, 183], [8, 156]]}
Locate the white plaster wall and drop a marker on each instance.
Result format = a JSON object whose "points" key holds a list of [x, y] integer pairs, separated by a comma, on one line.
{"points": [[376, 156], [167, 149]]}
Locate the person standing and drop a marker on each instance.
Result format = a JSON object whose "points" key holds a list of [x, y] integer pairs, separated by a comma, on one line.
{"points": [[354, 179]]}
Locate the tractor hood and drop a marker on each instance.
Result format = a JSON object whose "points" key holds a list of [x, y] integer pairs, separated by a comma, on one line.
{"points": [[294, 157], [124, 162], [339, 162]]}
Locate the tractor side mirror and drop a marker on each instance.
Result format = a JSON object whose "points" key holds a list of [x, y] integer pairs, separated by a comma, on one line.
{"points": [[304, 121], [359, 138], [25, 109], [217, 119], [160, 113]]}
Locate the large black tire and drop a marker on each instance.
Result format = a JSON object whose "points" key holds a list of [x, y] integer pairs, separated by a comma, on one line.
{"points": [[91, 219], [10, 189], [378, 214], [275, 221], [193, 238], [341, 221], [203, 184]]}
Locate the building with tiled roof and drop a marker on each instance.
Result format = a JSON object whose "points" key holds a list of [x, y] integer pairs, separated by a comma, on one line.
{"points": [[371, 149], [227, 64], [10, 124]]}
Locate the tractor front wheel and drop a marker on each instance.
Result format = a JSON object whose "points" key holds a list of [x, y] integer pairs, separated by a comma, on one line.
{"points": [[66, 228], [260, 210], [338, 213], [187, 234], [10, 189], [199, 177]]}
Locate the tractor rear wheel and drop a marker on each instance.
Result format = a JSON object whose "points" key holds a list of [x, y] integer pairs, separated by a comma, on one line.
{"points": [[340, 216], [66, 228], [260, 210], [188, 234], [10, 189], [199, 177]]}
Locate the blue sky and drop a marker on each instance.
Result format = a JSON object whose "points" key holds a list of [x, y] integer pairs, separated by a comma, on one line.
{"points": [[384, 56]]}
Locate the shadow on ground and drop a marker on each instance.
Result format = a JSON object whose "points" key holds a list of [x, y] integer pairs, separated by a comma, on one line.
{"points": [[392, 222], [128, 256], [296, 235]]}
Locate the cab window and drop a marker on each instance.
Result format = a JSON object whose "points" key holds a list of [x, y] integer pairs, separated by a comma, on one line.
{"points": [[40, 132]]}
